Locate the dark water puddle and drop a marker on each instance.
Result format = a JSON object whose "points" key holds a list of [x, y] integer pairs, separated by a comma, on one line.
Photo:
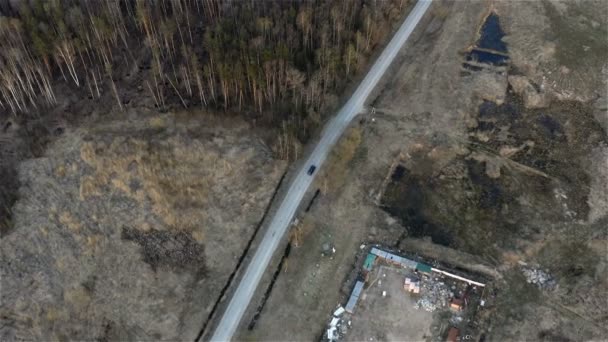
{"points": [[492, 34], [398, 173], [487, 58], [489, 48]]}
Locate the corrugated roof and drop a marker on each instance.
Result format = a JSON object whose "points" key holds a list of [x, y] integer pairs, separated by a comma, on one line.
{"points": [[394, 258], [352, 302], [378, 252], [354, 297], [408, 263], [358, 288]]}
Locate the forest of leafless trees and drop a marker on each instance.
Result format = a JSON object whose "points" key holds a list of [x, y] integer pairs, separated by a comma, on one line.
{"points": [[266, 56]]}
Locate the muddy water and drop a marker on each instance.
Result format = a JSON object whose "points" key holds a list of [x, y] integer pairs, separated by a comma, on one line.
{"points": [[541, 156]]}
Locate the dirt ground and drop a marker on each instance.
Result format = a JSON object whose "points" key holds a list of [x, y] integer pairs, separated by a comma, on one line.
{"points": [[389, 318], [501, 167]]}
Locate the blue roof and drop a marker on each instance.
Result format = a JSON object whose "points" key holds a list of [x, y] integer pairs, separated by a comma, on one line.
{"points": [[354, 297], [378, 252]]}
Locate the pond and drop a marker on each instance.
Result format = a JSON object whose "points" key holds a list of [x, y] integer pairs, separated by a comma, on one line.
{"points": [[489, 48], [491, 35]]}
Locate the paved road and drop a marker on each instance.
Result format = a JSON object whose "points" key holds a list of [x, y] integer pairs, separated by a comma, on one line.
{"points": [[282, 218]]}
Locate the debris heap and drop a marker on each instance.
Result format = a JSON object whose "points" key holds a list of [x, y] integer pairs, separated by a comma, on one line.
{"points": [[539, 278], [434, 295]]}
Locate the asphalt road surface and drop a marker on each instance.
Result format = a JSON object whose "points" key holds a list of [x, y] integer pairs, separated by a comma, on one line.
{"points": [[282, 218]]}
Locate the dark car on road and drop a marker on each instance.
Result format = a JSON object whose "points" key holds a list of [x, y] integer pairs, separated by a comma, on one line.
{"points": [[311, 170]]}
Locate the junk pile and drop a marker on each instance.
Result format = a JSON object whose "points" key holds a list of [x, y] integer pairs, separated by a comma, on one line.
{"points": [[411, 285], [435, 295], [539, 278], [337, 327]]}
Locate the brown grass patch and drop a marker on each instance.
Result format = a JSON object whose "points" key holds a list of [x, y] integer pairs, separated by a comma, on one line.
{"points": [[299, 232], [198, 236], [92, 244], [172, 176], [87, 153], [69, 221], [157, 122], [120, 185], [339, 160], [60, 171], [88, 188], [78, 297]]}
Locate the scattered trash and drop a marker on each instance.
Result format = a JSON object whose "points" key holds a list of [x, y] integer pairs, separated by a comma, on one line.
{"points": [[411, 285], [334, 322], [539, 278], [333, 250], [383, 293], [434, 296], [362, 246], [331, 333], [455, 319]]}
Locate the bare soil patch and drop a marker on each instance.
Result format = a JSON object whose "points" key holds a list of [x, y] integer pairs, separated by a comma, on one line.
{"points": [[392, 317]]}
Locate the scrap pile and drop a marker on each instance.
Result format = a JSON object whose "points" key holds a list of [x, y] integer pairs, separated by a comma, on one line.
{"points": [[434, 295], [539, 278], [337, 327], [411, 285]]}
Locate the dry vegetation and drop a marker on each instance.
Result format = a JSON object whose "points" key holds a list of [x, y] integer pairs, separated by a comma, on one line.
{"points": [[141, 222], [339, 160]]}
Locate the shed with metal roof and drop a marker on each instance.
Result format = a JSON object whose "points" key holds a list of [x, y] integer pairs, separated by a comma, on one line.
{"points": [[354, 297]]}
